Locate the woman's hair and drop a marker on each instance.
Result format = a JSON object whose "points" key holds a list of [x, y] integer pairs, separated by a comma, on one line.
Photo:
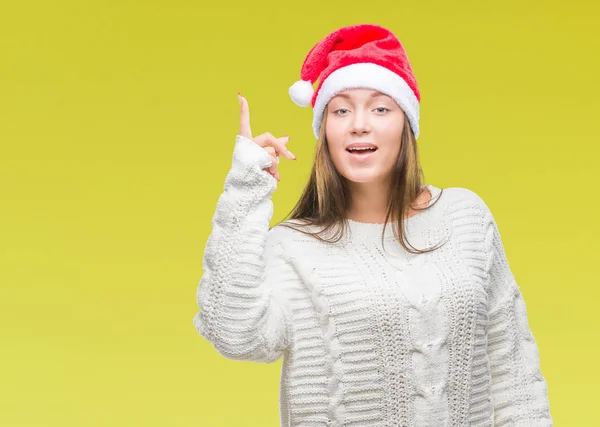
{"points": [[326, 197]]}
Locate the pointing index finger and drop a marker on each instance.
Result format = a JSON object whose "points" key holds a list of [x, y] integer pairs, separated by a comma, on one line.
{"points": [[244, 117]]}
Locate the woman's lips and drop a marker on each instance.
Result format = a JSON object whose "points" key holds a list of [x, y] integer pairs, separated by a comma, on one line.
{"points": [[361, 155]]}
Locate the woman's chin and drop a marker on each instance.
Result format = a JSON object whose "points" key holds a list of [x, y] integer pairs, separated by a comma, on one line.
{"points": [[362, 177]]}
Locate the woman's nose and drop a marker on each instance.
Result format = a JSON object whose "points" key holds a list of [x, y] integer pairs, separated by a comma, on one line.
{"points": [[360, 123]]}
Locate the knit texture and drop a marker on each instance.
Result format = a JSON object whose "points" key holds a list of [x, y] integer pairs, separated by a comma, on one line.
{"points": [[372, 335]]}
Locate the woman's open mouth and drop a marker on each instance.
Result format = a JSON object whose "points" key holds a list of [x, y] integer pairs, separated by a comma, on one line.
{"points": [[361, 153]]}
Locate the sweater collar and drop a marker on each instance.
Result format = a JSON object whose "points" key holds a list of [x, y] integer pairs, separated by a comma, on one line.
{"points": [[365, 231]]}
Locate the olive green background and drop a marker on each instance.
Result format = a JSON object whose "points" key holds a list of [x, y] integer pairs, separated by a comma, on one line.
{"points": [[117, 125]]}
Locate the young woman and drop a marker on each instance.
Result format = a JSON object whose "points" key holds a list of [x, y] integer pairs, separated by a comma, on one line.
{"points": [[392, 303]]}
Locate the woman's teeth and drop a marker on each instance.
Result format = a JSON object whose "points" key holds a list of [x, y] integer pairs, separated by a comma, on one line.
{"points": [[361, 150]]}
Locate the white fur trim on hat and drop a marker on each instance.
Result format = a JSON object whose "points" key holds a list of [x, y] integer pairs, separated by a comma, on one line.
{"points": [[369, 76], [302, 92]]}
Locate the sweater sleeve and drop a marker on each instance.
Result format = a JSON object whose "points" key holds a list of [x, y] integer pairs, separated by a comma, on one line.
{"points": [[519, 390], [241, 313]]}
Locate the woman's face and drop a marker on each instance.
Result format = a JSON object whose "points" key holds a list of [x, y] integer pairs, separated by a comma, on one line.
{"points": [[364, 116]]}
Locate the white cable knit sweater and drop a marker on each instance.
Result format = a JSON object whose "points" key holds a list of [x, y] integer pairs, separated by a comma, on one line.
{"points": [[372, 337]]}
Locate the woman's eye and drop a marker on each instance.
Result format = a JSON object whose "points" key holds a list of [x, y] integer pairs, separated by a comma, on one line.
{"points": [[342, 110]]}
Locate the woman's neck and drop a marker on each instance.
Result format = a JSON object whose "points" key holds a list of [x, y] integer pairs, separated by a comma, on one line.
{"points": [[371, 206]]}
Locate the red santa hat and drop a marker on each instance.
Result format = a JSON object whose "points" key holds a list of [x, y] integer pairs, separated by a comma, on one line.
{"points": [[357, 56]]}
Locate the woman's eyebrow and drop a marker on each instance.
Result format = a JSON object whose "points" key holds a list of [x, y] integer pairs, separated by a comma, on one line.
{"points": [[373, 95]]}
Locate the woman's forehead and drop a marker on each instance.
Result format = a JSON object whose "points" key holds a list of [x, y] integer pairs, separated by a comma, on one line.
{"points": [[359, 93]]}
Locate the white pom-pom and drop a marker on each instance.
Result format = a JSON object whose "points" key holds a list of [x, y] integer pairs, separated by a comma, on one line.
{"points": [[302, 92]]}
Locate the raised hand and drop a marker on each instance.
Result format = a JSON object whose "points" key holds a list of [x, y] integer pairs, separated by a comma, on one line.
{"points": [[273, 146]]}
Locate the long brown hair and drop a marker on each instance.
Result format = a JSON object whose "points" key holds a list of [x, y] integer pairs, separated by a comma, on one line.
{"points": [[326, 197]]}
